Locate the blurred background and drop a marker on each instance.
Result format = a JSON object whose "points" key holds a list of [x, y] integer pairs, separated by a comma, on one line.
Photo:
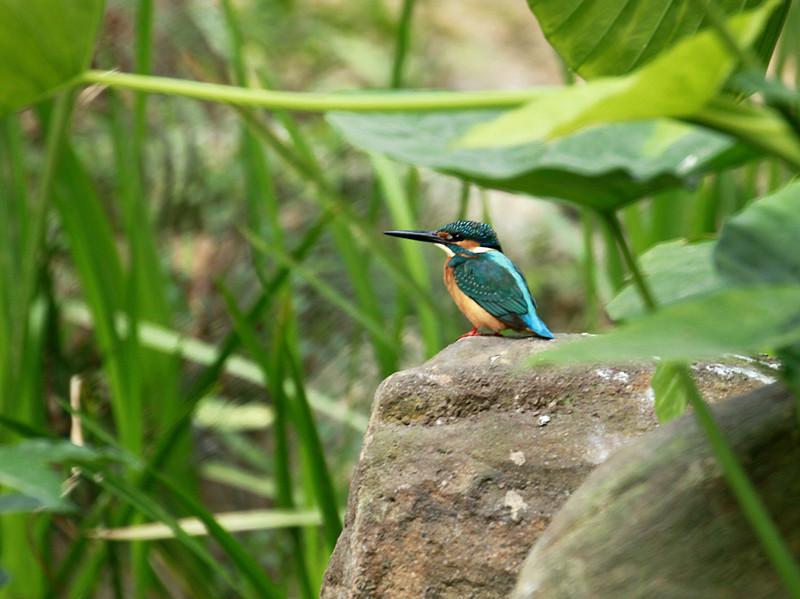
{"points": [[217, 299]]}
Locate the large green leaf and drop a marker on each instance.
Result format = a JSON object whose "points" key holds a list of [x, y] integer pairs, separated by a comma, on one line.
{"points": [[609, 37], [604, 168], [44, 44], [673, 271], [761, 245], [726, 321], [27, 468], [679, 83]]}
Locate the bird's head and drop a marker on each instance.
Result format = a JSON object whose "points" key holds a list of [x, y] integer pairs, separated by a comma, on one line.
{"points": [[466, 234]]}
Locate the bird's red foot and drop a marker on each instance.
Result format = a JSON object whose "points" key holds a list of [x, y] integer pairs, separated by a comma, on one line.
{"points": [[472, 333]]}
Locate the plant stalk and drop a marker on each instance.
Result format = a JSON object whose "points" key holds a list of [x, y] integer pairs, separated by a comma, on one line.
{"points": [[313, 102], [614, 226], [744, 491], [401, 45]]}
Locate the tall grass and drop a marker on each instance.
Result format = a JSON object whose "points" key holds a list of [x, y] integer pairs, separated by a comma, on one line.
{"points": [[304, 316], [96, 228]]}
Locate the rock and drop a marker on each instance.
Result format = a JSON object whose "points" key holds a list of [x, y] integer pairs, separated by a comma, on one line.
{"points": [[658, 519], [468, 457]]}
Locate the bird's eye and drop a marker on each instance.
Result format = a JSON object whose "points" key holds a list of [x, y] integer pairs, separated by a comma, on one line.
{"points": [[455, 237]]}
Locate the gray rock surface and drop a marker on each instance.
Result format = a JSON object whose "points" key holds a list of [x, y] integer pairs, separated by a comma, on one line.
{"points": [[468, 457], [658, 520]]}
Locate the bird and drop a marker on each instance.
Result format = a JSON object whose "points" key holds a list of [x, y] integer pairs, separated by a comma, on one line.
{"points": [[485, 284]]}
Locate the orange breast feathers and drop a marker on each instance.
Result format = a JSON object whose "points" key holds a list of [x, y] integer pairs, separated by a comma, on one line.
{"points": [[475, 314]]}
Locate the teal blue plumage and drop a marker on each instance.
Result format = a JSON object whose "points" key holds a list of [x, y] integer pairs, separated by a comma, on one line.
{"points": [[486, 286], [495, 283]]}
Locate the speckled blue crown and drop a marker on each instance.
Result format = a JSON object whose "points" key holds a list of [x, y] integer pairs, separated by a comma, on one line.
{"points": [[469, 229]]}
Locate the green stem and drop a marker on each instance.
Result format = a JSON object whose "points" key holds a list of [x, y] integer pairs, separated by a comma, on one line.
{"points": [[790, 358], [56, 134], [589, 271], [144, 59], [463, 199], [313, 102], [614, 226], [401, 45], [744, 491]]}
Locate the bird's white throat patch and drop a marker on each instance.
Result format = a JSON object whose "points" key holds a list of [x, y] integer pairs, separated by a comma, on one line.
{"points": [[478, 250]]}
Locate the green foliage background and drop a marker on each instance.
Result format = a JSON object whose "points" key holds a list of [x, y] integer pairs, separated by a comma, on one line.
{"points": [[194, 288]]}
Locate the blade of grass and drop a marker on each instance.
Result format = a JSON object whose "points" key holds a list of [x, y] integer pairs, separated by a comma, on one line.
{"points": [[592, 298], [132, 493], [357, 265], [304, 159], [264, 301], [749, 501], [258, 584], [706, 207], [170, 342], [147, 287], [667, 208], [94, 252], [615, 228], [163, 443], [636, 226], [225, 474], [307, 430], [330, 202], [615, 270], [315, 475], [375, 328], [23, 334], [401, 44], [403, 218], [271, 364]]}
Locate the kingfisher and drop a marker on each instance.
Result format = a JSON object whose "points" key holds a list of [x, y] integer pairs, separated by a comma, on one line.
{"points": [[485, 284]]}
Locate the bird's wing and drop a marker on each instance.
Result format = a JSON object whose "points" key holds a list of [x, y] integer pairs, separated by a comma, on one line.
{"points": [[493, 287]]}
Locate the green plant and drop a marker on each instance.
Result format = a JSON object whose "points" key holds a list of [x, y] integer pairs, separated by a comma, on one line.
{"points": [[650, 121]]}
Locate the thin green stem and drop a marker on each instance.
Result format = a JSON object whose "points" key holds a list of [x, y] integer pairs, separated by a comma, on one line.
{"points": [[56, 134], [312, 102], [463, 199], [614, 226], [144, 58], [790, 359], [401, 44], [744, 491], [589, 271]]}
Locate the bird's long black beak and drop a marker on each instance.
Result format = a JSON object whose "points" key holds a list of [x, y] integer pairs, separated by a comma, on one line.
{"points": [[430, 236]]}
